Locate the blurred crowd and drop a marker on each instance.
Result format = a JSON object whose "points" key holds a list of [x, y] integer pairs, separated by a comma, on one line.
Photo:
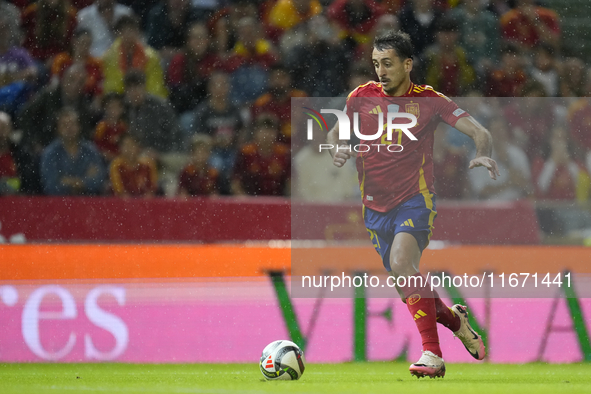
{"points": [[193, 97]]}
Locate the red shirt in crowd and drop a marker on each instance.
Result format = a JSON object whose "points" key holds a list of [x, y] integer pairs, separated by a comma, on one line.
{"points": [[503, 84], [579, 122], [517, 27], [93, 67], [107, 136], [263, 175], [267, 103], [58, 41], [199, 181], [136, 180], [203, 68], [7, 165]]}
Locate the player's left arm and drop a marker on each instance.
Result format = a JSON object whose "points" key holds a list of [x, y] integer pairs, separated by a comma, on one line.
{"points": [[483, 140]]}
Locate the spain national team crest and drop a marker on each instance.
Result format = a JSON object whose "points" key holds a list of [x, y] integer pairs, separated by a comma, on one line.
{"points": [[412, 108]]}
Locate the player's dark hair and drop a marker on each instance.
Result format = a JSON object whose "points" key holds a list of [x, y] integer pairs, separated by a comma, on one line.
{"points": [[397, 40]]}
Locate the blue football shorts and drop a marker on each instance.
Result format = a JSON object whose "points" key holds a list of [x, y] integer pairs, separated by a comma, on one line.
{"points": [[414, 216]]}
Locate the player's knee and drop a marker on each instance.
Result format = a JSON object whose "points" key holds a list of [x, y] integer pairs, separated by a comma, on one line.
{"points": [[401, 265]]}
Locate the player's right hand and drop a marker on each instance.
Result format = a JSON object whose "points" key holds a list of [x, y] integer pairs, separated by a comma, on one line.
{"points": [[340, 158]]}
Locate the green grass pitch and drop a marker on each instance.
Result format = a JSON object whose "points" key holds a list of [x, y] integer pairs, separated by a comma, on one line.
{"points": [[355, 378]]}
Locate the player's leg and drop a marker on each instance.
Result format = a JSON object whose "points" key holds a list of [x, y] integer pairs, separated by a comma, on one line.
{"points": [[445, 315], [405, 256], [456, 319]]}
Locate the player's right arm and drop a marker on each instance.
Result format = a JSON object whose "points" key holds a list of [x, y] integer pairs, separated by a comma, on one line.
{"points": [[339, 157]]}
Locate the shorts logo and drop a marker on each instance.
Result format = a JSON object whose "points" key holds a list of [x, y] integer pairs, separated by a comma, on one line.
{"points": [[413, 299], [408, 223]]}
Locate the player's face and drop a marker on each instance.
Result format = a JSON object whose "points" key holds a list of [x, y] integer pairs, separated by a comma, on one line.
{"points": [[392, 71]]}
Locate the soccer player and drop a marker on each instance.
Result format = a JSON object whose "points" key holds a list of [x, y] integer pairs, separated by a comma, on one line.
{"points": [[397, 188]]}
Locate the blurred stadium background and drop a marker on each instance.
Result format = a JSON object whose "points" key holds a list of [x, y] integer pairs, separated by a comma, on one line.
{"points": [[177, 244]]}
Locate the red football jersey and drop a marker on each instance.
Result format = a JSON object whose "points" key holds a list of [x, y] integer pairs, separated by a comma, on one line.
{"points": [[386, 178], [199, 181], [263, 175], [136, 180]]}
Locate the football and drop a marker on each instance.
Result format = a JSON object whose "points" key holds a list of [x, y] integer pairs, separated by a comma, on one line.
{"points": [[282, 360]]}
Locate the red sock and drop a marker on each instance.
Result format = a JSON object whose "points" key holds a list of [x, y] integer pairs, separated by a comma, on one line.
{"points": [[421, 305], [445, 316]]}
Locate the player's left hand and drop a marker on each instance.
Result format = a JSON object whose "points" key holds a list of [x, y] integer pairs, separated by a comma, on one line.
{"points": [[487, 162]]}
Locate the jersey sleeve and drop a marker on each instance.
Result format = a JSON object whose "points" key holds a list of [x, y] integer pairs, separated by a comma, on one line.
{"points": [[448, 111]]}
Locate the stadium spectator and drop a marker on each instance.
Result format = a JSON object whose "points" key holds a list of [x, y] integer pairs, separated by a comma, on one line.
{"points": [[315, 181], [356, 19], [263, 166], [12, 17], [189, 70], [142, 9], [218, 118], [37, 118], [509, 79], [420, 18], [198, 178], [130, 173], [151, 119], [48, 26], [129, 53], [287, 14], [277, 100], [168, 23], [224, 24], [327, 60], [71, 165], [100, 19], [573, 77], [80, 54], [479, 34], [9, 173], [531, 120], [251, 58], [112, 127], [450, 168], [18, 73], [446, 65], [545, 69], [80, 4], [516, 181], [528, 25], [560, 177], [500, 7], [579, 126]]}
